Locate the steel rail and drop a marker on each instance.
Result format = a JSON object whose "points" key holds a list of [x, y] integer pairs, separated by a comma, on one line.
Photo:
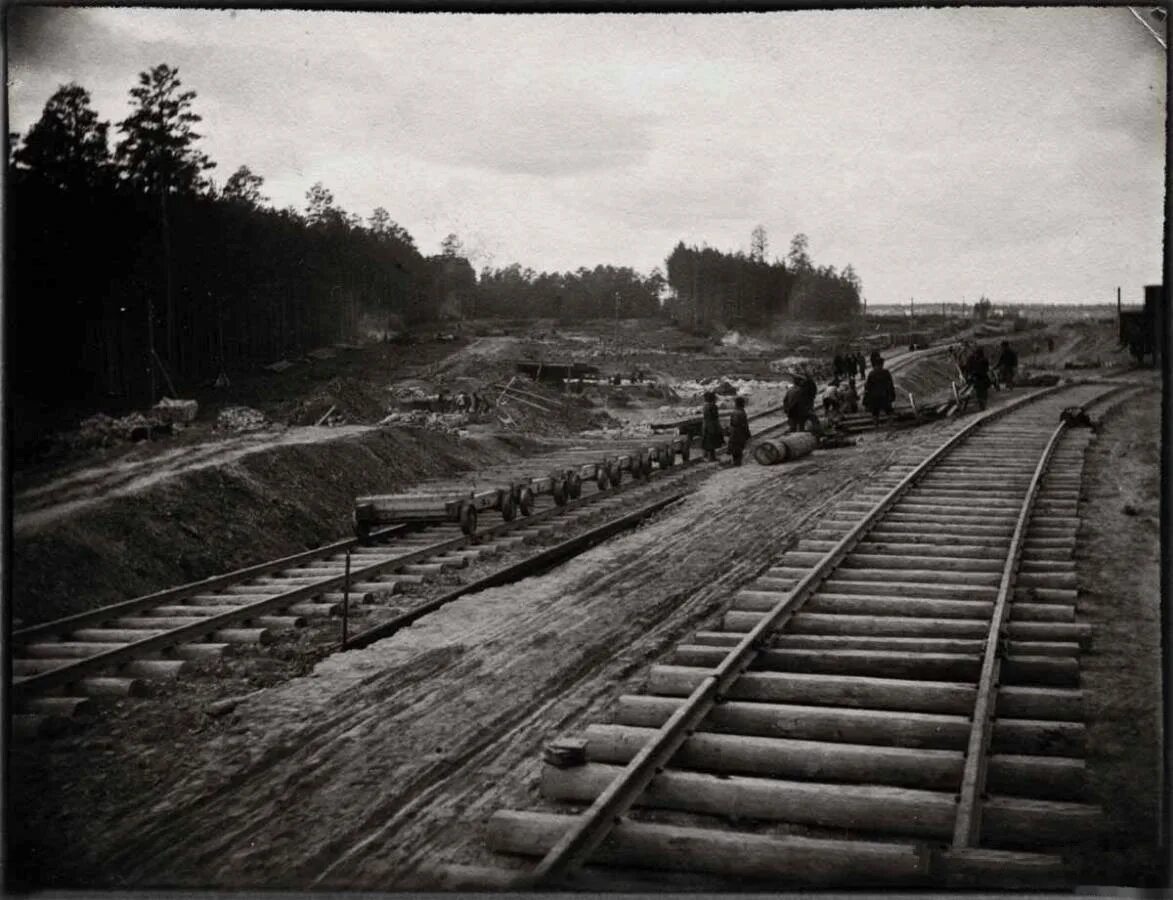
{"points": [[967, 825], [183, 591], [592, 826]]}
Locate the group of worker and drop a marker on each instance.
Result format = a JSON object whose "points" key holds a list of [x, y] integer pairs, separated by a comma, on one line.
{"points": [[713, 437], [974, 367], [848, 364], [840, 396], [879, 395]]}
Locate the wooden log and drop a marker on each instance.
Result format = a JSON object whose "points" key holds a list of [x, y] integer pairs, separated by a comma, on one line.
{"points": [[114, 635], [98, 686], [909, 584], [1035, 737], [862, 807], [965, 526], [1021, 702], [933, 550], [35, 667], [1042, 612], [892, 663], [267, 589], [919, 645], [1067, 580], [906, 626], [279, 623], [1060, 671], [858, 604], [67, 707], [1050, 631], [985, 869], [800, 688], [1042, 777], [911, 528], [202, 651], [882, 808], [244, 636], [326, 610], [63, 650], [856, 726], [149, 625], [783, 758], [784, 860], [156, 669], [892, 560]]}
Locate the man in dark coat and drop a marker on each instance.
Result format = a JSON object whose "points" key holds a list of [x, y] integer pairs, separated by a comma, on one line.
{"points": [[852, 367], [1007, 364], [839, 366], [799, 402], [711, 436], [977, 373], [738, 430], [879, 392]]}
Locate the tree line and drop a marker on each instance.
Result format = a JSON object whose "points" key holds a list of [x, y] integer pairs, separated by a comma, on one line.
{"points": [[711, 288], [132, 273]]}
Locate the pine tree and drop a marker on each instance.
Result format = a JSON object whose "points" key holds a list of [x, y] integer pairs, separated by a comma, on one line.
{"points": [[67, 147], [158, 152], [244, 186]]}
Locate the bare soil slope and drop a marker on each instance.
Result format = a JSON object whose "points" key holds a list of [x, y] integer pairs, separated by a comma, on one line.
{"points": [[140, 525]]}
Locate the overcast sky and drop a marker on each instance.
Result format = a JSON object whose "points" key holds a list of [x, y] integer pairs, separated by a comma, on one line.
{"points": [[1014, 152]]}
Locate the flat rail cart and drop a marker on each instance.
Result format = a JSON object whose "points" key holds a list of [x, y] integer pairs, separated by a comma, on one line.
{"points": [[559, 474]]}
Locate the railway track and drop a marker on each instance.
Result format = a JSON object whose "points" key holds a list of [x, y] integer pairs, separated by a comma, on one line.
{"points": [[896, 701], [60, 668]]}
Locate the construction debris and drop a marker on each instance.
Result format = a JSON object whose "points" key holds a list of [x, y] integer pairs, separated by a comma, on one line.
{"points": [[102, 430], [183, 411], [241, 418], [447, 423]]}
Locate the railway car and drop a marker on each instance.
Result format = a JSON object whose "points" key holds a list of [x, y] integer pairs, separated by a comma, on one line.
{"points": [[1143, 330]]}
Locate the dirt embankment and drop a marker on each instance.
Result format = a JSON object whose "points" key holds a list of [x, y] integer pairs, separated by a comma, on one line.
{"points": [[1118, 561], [107, 534]]}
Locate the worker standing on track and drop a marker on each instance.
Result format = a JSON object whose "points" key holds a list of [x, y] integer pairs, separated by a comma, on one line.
{"points": [[838, 366], [1007, 365], [799, 402], [977, 373], [879, 391], [711, 437], [853, 371], [738, 430]]}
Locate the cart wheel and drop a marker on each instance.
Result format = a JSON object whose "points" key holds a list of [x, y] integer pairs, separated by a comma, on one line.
{"points": [[559, 492], [574, 486], [508, 509], [525, 501], [615, 473], [468, 518], [601, 478]]}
